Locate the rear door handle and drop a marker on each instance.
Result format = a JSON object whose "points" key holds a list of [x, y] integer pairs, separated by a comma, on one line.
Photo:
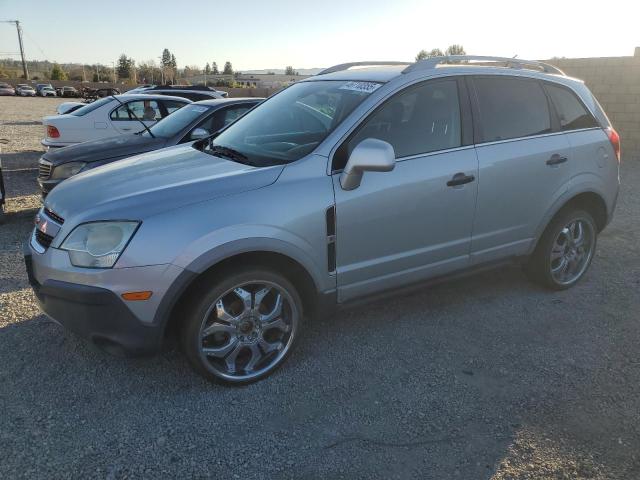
{"points": [[460, 178], [556, 159]]}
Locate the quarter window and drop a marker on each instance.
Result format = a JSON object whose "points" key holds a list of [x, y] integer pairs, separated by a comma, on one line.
{"points": [[571, 112], [421, 119], [511, 108]]}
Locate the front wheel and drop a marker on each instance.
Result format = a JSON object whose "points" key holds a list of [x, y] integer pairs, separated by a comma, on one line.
{"points": [[564, 251], [242, 328]]}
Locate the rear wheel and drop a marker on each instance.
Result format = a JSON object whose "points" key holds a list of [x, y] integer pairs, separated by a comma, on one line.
{"points": [[564, 251], [243, 327]]}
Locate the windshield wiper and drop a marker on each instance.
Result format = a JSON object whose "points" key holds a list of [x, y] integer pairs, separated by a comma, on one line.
{"points": [[230, 153]]}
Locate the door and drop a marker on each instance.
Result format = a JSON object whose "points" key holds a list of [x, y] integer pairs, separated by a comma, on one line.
{"points": [[524, 165], [414, 222], [126, 118]]}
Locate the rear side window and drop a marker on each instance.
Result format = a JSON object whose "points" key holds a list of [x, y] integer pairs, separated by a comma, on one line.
{"points": [[511, 108], [420, 119], [571, 112]]}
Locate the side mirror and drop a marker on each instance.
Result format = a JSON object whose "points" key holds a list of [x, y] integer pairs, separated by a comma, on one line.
{"points": [[199, 133], [370, 155]]}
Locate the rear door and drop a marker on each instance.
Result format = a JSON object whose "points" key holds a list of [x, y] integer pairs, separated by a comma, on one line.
{"points": [[589, 143], [524, 164]]}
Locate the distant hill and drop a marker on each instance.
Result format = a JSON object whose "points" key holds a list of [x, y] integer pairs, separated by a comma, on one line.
{"points": [[280, 71]]}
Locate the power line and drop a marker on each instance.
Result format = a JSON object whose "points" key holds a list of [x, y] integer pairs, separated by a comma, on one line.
{"points": [[46, 57]]}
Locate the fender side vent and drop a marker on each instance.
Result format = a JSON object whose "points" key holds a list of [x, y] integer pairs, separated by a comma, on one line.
{"points": [[331, 238]]}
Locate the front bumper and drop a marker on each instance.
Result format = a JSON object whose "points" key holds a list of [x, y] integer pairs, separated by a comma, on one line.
{"points": [[90, 304]]}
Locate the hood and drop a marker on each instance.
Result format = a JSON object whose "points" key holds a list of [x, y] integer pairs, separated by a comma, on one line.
{"points": [[104, 149], [154, 182]]}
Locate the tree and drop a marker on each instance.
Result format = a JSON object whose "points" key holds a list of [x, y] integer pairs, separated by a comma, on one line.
{"points": [[214, 69], [57, 73], [422, 54], [125, 64], [166, 58], [289, 70], [207, 69], [455, 49], [228, 69]]}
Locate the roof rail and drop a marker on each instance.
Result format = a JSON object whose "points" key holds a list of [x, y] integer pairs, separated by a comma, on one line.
{"points": [[433, 62], [347, 66]]}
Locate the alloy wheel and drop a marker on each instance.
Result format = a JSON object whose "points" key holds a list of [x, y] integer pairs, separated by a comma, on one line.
{"points": [[571, 251], [248, 330]]}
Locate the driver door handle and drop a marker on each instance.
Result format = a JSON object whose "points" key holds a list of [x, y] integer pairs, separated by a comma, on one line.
{"points": [[556, 159], [460, 178]]}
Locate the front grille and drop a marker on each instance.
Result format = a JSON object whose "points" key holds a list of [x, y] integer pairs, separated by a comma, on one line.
{"points": [[57, 218], [44, 169], [43, 239]]}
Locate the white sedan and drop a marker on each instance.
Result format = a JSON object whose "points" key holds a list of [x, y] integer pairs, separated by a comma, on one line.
{"points": [[108, 117], [25, 91]]}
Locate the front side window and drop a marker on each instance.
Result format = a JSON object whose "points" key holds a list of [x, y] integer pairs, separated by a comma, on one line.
{"points": [[177, 121], [292, 123], [223, 117], [172, 105], [511, 108], [571, 112], [145, 110], [420, 119]]}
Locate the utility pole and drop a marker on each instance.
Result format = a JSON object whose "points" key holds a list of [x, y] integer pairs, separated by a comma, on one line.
{"points": [[24, 62]]}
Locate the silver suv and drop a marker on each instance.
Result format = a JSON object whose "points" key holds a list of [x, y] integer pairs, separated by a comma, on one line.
{"points": [[348, 184]]}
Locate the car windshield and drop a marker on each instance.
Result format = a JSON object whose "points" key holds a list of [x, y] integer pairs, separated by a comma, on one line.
{"points": [[178, 120], [291, 124], [91, 107]]}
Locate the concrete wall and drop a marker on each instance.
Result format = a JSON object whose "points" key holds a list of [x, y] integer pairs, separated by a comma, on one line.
{"points": [[615, 81]]}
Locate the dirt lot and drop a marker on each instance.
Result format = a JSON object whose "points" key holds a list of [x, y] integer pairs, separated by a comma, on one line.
{"points": [[487, 377]]}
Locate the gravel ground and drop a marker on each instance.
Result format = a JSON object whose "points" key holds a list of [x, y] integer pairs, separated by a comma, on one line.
{"points": [[486, 377]]}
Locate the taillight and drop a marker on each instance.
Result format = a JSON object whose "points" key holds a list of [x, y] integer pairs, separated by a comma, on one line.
{"points": [[614, 138], [52, 132]]}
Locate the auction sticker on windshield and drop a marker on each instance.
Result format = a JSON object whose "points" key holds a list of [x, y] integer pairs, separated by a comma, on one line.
{"points": [[364, 87]]}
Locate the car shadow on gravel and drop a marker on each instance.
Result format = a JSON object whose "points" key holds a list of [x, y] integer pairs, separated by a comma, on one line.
{"points": [[435, 381]]}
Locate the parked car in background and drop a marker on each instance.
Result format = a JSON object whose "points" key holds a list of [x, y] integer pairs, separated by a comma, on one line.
{"points": [[48, 92], [108, 116], [192, 122], [25, 91], [69, 92], [19, 86], [140, 88], [6, 90], [351, 183], [195, 93], [68, 107], [41, 86]]}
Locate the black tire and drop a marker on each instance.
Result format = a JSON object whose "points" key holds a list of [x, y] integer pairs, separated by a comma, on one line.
{"points": [[203, 300], [539, 266]]}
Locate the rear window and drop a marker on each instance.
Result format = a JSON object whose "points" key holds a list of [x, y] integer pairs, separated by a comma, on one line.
{"points": [[571, 112], [91, 107], [511, 108]]}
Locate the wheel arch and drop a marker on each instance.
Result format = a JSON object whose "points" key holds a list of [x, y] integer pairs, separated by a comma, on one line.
{"points": [[589, 200], [209, 270]]}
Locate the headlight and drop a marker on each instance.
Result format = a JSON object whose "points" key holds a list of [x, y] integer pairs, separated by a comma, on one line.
{"points": [[67, 170], [98, 244]]}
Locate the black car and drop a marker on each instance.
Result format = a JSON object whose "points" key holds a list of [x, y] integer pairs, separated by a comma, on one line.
{"points": [[191, 122]]}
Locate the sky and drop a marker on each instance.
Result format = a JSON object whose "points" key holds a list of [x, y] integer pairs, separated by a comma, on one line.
{"points": [[306, 34]]}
